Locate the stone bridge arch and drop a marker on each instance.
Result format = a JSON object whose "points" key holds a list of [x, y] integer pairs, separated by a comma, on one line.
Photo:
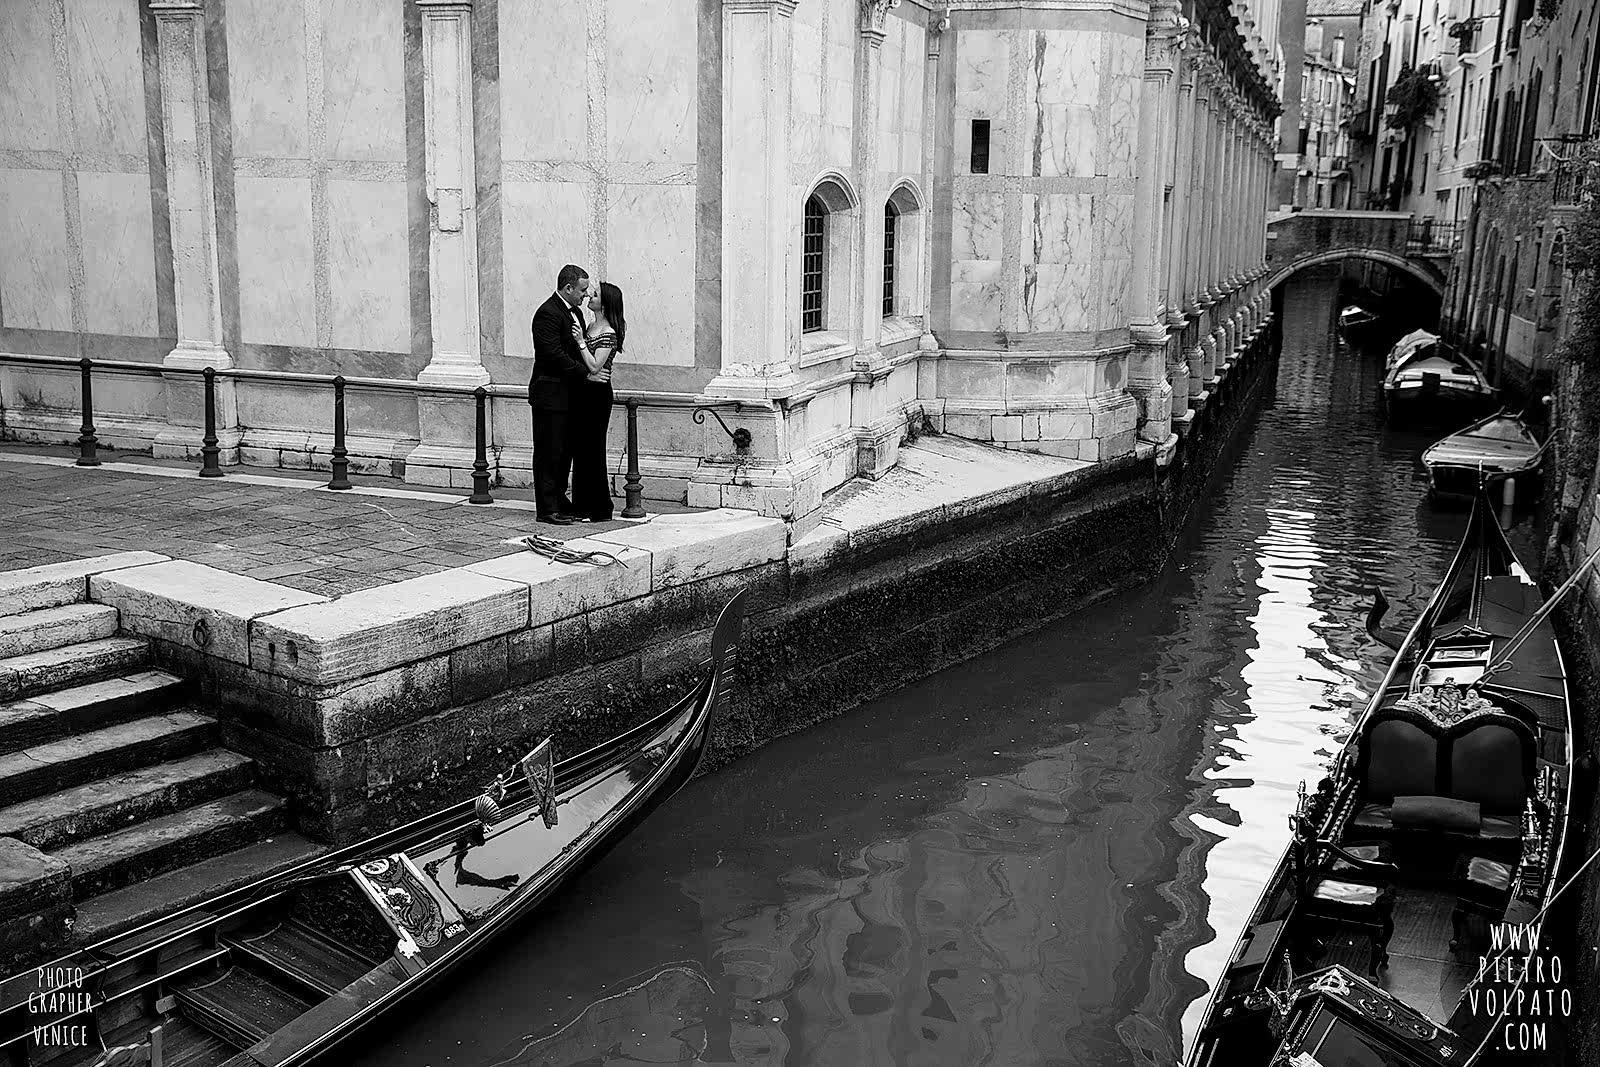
{"points": [[1301, 239]]}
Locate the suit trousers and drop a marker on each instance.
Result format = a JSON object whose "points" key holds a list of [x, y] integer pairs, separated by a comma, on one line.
{"points": [[549, 459]]}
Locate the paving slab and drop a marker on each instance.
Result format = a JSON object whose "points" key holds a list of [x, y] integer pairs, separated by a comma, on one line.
{"points": [[193, 605], [365, 632], [561, 590], [687, 548]]}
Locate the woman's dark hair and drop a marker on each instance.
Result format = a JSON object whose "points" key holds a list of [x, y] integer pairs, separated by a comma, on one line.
{"points": [[611, 304]]}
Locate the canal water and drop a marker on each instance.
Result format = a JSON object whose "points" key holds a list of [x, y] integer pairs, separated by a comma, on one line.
{"points": [[1041, 856]]}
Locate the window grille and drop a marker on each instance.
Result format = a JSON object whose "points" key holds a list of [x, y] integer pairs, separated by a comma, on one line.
{"points": [[889, 217], [811, 266]]}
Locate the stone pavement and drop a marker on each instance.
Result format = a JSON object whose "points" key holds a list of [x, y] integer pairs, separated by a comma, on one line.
{"points": [[278, 526]]}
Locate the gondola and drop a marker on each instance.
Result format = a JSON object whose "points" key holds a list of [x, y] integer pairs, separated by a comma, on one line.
{"points": [[1412, 890], [1356, 323], [1422, 374], [1491, 450], [282, 972]]}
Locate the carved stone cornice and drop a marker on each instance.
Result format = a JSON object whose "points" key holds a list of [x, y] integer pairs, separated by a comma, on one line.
{"points": [[777, 7], [873, 15], [177, 8]]}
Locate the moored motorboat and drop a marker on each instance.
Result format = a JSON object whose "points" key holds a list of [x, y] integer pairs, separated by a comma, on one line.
{"points": [[1489, 451], [282, 972], [1407, 910], [1356, 323], [1423, 372]]}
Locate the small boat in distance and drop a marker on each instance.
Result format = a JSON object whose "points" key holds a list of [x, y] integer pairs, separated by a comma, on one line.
{"points": [[1356, 323], [1489, 451], [1422, 372], [282, 972], [1407, 908]]}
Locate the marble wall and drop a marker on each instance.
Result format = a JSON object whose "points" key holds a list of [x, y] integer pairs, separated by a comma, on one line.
{"points": [[901, 73], [825, 33], [76, 213], [317, 90], [600, 146], [1042, 243]]}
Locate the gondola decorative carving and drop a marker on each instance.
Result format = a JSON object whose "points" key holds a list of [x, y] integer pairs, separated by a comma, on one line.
{"points": [[1445, 705], [417, 914], [539, 767]]}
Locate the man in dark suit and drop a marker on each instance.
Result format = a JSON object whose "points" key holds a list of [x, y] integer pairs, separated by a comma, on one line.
{"points": [[556, 364]]}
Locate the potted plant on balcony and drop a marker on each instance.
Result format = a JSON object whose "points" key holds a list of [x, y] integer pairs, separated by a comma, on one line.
{"points": [[1413, 97]]}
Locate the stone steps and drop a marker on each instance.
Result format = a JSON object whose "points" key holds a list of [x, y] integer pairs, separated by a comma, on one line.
{"points": [[46, 628], [115, 912], [116, 804], [56, 584], [168, 842], [40, 672], [75, 760], [106, 804], [90, 706]]}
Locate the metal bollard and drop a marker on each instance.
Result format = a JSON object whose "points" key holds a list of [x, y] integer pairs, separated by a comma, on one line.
{"points": [[86, 438], [633, 485], [480, 461], [341, 461], [208, 446]]}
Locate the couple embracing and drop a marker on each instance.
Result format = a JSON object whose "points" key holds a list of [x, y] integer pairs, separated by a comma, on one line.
{"points": [[570, 393]]}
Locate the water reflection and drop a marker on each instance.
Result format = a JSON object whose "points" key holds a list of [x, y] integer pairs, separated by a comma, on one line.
{"points": [[1041, 856]]}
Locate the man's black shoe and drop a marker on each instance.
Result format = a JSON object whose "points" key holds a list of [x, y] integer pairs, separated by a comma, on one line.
{"points": [[557, 519]]}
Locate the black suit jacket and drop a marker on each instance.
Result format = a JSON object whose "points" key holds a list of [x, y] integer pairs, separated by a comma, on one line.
{"points": [[557, 363]]}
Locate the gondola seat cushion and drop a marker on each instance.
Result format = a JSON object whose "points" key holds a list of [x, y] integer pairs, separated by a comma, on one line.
{"points": [[1488, 765], [1402, 760], [1436, 813]]}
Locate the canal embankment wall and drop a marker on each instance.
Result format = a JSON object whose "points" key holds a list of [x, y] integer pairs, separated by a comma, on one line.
{"points": [[376, 706]]}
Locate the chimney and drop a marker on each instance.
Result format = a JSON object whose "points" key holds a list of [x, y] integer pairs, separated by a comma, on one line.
{"points": [[1338, 51], [1314, 38]]}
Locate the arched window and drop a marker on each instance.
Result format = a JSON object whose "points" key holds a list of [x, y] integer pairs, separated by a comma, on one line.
{"points": [[1557, 267], [825, 262], [902, 249]]}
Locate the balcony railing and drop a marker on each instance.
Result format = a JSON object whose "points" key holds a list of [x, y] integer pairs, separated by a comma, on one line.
{"points": [[1569, 177], [1432, 237]]}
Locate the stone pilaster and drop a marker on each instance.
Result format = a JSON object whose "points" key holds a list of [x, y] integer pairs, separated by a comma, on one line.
{"points": [[446, 424], [878, 430], [760, 329], [760, 350], [191, 206], [451, 182]]}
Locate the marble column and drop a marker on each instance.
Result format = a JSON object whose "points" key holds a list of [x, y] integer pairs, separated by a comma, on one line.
{"points": [[1200, 186], [446, 423], [192, 211], [759, 349], [1180, 174], [1147, 364]]}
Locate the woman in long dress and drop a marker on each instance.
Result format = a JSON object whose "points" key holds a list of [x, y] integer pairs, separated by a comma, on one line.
{"points": [[590, 412]]}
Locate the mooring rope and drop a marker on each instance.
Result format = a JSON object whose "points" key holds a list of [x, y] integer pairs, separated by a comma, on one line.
{"points": [[550, 548]]}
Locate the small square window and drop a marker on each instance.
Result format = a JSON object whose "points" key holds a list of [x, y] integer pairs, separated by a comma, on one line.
{"points": [[980, 146]]}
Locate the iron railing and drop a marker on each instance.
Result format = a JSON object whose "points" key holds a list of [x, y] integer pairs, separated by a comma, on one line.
{"points": [[1569, 178], [1432, 237], [210, 452]]}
